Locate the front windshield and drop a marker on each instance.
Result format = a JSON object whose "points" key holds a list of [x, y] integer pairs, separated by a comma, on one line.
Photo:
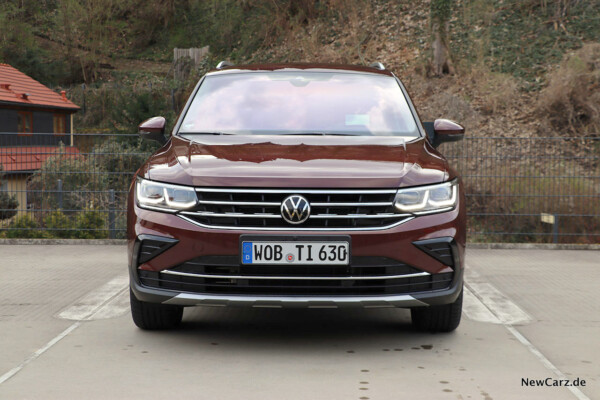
{"points": [[280, 103]]}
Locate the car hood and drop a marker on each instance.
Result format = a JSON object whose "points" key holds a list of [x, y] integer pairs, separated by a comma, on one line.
{"points": [[297, 161]]}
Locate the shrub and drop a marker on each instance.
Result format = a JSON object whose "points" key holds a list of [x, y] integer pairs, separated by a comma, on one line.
{"points": [[87, 181], [90, 225], [81, 181], [571, 102], [136, 105], [8, 206], [21, 49], [24, 226], [58, 225], [121, 155]]}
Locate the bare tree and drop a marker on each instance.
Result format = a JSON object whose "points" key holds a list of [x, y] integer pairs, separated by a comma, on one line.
{"points": [[441, 61]]}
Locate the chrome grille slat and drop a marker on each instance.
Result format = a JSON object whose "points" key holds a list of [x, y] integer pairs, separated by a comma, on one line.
{"points": [[275, 204], [269, 215], [295, 228], [241, 203], [297, 278], [336, 209], [230, 214], [338, 216], [379, 204], [291, 191]]}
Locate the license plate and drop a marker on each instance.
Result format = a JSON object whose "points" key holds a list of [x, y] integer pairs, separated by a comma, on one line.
{"points": [[295, 252]]}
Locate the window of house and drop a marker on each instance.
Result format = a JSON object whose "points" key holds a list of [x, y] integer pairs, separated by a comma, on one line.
{"points": [[25, 123], [60, 124]]}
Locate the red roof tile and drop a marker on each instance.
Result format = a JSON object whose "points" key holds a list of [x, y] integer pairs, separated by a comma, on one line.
{"points": [[14, 83], [28, 158]]}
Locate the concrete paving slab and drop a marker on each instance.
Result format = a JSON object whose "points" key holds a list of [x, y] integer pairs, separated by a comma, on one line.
{"points": [[232, 353], [36, 282], [288, 354], [560, 290]]}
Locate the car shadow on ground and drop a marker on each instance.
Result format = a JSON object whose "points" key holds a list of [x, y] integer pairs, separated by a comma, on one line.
{"points": [[305, 329]]}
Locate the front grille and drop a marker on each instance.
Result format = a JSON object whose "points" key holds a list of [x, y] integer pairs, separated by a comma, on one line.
{"points": [[364, 276], [261, 209]]}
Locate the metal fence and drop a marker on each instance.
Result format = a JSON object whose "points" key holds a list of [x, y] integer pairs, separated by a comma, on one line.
{"points": [[74, 187], [540, 190]]}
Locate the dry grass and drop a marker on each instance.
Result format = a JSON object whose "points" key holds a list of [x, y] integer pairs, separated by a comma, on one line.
{"points": [[319, 42], [570, 104], [346, 31], [496, 91], [446, 97]]}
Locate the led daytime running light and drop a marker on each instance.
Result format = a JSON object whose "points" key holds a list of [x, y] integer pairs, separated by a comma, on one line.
{"points": [[427, 205]]}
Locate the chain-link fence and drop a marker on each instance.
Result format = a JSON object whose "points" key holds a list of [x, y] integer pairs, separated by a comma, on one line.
{"points": [[540, 190]]}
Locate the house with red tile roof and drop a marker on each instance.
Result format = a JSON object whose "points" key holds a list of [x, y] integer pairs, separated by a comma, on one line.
{"points": [[30, 159], [28, 107], [34, 122]]}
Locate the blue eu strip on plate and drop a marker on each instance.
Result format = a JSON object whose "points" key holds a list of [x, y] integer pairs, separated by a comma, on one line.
{"points": [[247, 252]]}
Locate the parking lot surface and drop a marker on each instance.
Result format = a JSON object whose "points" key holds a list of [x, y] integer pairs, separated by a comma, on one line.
{"points": [[530, 316]]}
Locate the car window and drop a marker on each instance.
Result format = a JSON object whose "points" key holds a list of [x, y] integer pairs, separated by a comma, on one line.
{"points": [[279, 103]]}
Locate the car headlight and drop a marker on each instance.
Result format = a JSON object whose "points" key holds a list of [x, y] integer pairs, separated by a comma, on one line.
{"points": [[427, 199], [156, 195]]}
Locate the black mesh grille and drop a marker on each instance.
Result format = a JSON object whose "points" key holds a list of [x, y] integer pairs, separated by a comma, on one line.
{"points": [[364, 267], [230, 265]]}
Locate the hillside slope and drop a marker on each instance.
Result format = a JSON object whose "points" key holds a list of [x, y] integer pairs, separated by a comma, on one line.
{"points": [[513, 58]]}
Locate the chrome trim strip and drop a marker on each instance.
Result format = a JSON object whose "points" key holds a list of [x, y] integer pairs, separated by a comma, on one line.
{"points": [[167, 210], [297, 228], [192, 299], [294, 191], [242, 203], [277, 204], [271, 215], [296, 278], [231, 215], [349, 216], [433, 185], [439, 210], [380, 204]]}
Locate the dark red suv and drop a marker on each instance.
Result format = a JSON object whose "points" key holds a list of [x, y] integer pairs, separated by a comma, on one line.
{"points": [[298, 185]]}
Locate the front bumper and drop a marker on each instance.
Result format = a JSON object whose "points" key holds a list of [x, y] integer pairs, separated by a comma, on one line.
{"points": [[395, 243], [401, 301]]}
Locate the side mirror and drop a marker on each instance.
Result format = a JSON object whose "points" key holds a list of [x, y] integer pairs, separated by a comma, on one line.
{"points": [[153, 129], [443, 130]]}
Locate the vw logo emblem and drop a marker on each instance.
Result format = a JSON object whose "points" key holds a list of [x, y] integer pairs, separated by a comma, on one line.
{"points": [[295, 209]]}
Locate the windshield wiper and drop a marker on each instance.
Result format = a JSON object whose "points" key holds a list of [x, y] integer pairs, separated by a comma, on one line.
{"points": [[280, 134], [321, 134], [206, 133]]}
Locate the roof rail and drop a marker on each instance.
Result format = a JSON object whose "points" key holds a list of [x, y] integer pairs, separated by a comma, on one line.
{"points": [[376, 65], [224, 64]]}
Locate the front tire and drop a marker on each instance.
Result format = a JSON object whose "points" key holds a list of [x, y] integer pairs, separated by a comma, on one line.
{"points": [[445, 318], [151, 316]]}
